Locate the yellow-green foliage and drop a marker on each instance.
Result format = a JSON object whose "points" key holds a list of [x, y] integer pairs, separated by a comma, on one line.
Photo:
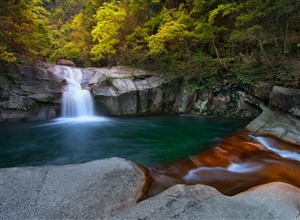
{"points": [[172, 33], [191, 36], [106, 33]]}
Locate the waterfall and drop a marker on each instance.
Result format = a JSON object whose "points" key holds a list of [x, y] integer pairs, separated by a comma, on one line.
{"points": [[76, 102]]}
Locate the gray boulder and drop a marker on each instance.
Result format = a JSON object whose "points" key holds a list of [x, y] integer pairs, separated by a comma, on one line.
{"points": [[94, 190], [276, 124], [36, 89], [270, 201], [123, 91], [286, 99]]}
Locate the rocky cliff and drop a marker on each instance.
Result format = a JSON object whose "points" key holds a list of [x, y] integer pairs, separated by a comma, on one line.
{"points": [[35, 95], [125, 91]]}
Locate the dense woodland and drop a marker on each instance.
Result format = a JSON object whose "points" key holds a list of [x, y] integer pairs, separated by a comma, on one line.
{"points": [[250, 40]]}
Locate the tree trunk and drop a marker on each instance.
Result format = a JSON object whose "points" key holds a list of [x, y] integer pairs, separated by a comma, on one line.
{"points": [[217, 52]]}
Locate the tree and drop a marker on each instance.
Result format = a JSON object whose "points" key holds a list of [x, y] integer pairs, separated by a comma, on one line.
{"points": [[24, 34], [216, 26], [106, 33], [173, 34]]}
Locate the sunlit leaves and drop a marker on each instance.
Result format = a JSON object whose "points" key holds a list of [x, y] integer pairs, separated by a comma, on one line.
{"points": [[172, 34], [106, 33]]}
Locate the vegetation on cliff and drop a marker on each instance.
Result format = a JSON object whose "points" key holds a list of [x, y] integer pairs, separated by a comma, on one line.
{"points": [[248, 40]]}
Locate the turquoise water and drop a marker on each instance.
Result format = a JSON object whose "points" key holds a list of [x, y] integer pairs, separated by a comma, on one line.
{"points": [[150, 140]]}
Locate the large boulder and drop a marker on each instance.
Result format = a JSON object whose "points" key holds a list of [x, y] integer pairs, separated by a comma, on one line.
{"points": [[270, 201], [94, 190], [286, 99], [277, 124], [123, 91], [36, 89]]}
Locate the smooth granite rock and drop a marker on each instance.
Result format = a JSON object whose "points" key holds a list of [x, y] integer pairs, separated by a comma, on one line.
{"points": [[277, 124], [270, 201], [94, 190]]}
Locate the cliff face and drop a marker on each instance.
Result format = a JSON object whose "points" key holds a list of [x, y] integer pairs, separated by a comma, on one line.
{"points": [[35, 96], [124, 91]]}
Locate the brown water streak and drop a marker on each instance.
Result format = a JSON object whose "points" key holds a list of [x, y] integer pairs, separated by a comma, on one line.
{"points": [[235, 164]]}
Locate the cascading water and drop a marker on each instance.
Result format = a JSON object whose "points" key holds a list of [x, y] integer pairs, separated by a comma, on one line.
{"points": [[76, 102]]}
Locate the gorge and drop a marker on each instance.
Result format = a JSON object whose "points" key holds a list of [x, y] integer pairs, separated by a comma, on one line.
{"points": [[235, 164]]}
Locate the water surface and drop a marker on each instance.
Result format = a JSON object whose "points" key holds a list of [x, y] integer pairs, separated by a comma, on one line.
{"points": [[150, 140]]}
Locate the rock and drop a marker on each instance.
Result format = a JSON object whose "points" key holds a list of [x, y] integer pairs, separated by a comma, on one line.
{"points": [[261, 89], [94, 190], [123, 91], [184, 101], [12, 115], [37, 80], [271, 201], [286, 99], [64, 62], [36, 89], [42, 114], [277, 124], [201, 105]]}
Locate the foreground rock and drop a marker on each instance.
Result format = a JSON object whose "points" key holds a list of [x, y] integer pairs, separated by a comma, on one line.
{"points": [[271, 201], [94, 190]]}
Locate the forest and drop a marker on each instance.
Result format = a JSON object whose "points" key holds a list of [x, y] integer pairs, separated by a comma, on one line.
{"points": [[250, 40]]}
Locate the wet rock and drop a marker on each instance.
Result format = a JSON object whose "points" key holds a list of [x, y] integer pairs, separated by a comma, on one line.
{"points": [[12, 115], [235, 164], [271, 201], [42, 114], [94, 190]]}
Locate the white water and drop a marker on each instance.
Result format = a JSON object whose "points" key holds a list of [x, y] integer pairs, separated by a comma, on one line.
{"points": [[282, 153], [76, 102], [195, 174]]}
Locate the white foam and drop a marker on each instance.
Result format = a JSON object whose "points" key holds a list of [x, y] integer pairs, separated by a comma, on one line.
{"points": [[282, 153]]}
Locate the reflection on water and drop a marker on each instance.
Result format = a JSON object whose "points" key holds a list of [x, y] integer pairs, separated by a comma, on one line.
{"points": [[144, 140]]}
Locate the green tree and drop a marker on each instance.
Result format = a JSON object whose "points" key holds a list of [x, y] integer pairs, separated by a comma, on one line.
{"points": [[173, 35], [218, 24], [109, 19], [24, 34]]}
